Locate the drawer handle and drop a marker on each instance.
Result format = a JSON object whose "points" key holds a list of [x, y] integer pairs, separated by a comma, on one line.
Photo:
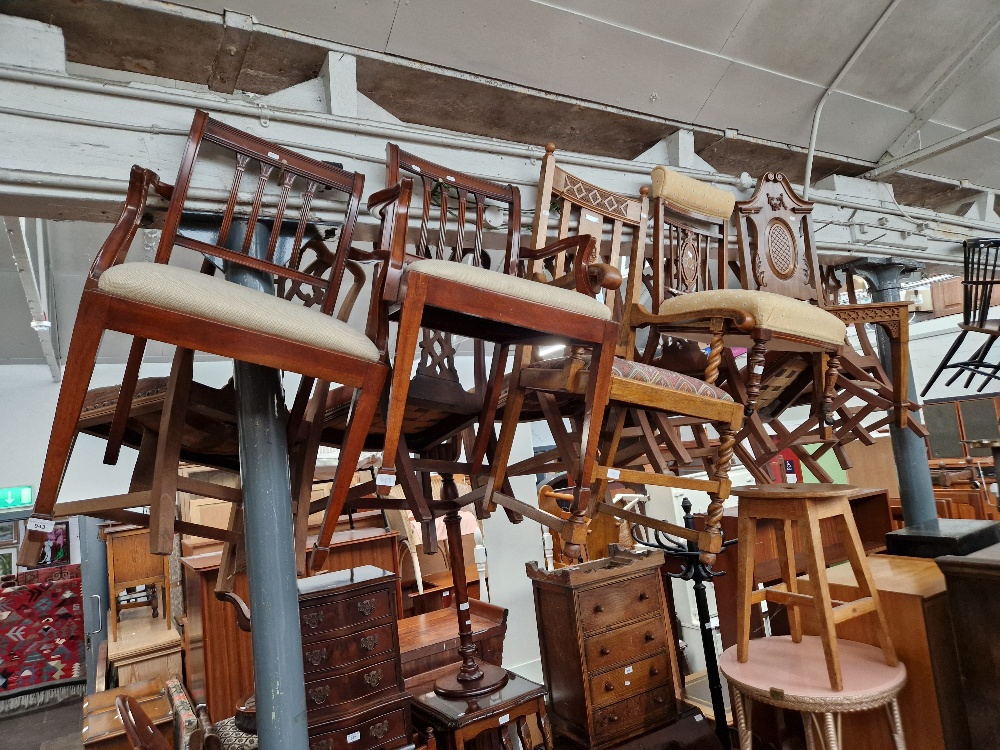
{"points": [[654, 671], [658, 700], [319, 694], [605, 650], [650, 637], [369, 642], [316, 657], [643, 596], [312, 619], [609, 686], [366, 606], [598, 609], [613, 718], [374, 678], [379, 730]]}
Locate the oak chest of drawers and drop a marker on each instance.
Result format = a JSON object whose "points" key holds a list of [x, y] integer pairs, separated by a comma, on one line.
{"points": [[350, 652], [607, 648]]}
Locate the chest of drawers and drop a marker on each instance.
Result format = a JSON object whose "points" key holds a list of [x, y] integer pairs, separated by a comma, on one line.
{"points": [[607, 648], [350, 651]]}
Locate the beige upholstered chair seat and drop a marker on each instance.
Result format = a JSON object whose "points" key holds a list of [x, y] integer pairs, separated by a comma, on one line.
{"points": [[569, 300], [772, 311], [689, 194], [214, 298]]}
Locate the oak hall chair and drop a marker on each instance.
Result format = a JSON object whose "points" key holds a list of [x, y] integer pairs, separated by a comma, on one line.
{"points": [[642, 397], [456, 285], [200, 311]]}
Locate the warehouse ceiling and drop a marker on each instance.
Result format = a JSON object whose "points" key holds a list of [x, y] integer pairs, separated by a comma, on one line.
{"points": [[605, 78]]}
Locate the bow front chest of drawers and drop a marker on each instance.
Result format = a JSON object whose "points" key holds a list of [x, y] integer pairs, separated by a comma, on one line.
{"points": [[350, 652], [607, 648]]}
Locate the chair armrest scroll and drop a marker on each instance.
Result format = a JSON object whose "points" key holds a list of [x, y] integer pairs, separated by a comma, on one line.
{"points": [[116, 246]]}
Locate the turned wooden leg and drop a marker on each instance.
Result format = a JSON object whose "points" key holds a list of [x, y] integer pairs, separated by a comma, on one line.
{"points": [[832, 372], [522, 732], [755, 370], [713, 516]]}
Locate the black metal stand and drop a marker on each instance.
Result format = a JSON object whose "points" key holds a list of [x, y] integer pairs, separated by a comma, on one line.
{"points": [[693, 569]]}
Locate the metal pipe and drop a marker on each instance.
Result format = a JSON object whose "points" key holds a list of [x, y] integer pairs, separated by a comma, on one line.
{"points": [[814, 133], [267, 517]]}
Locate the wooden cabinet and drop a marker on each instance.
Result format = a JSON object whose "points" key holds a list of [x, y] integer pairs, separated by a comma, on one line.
{"points": [[607, 648], [350, 649], [217, 654]]}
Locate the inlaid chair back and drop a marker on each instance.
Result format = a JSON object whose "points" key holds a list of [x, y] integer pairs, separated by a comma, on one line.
{"points": [[267, 185], [578, 207], [776, 245]]}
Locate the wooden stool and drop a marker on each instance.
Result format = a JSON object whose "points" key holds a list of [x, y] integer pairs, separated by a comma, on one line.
{"points": [[805, 505], [787, 675]]}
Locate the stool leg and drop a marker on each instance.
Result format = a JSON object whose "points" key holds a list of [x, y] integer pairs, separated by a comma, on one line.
{"points": [[544, 728], [744, 584], [847, 530], [505, 737], [807, 724], [895, 724], [522, 733], [786, 560], [830, 732], [740, 710], [823, 604]]}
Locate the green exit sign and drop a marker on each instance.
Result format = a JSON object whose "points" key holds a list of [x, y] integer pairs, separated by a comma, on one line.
{"points": [[15, 497]]}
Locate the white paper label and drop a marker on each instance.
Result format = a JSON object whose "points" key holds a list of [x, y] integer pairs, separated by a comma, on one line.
{"points": [[45, 525], [463, 606], [590, 217], [273, 155], [385, 480], [699, 717], [445, 593], [354, 736], [504, 719], [627, 683], [469, 623], [417, 169], [613, 473], [628, 670], [449, 178], [758, 369]]}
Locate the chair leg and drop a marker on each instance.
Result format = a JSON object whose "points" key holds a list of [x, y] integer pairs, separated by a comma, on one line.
{"points": [[720, 473], [596, 400], [744, 583], [406, 347], [511, 416], [755, 369], [847, 530], [163, 493], [608, 448], [302, 460], [125, 394], [76, 379], [823, 604], [785, 538]]}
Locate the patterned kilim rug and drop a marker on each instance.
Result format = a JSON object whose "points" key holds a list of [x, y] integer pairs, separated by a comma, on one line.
{"points": [[41, 644]]}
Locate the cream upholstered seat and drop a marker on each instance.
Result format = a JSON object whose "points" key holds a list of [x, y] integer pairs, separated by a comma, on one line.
{"points": [[691, 195], [569, 300], [214, 298], [772, 311]]}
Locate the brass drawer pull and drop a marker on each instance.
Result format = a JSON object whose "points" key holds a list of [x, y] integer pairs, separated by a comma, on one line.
{"points": [[369, 643], [366, 606], [312, 619], [319, 694], [654, 671], [650, 637], [605, 650], [379, 730], [643, 596], [613, 718], [374, 678], [316, 657], [608, 686], [598, 609]]}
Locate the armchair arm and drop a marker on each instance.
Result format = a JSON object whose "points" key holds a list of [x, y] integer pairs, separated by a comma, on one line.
{"points": [[393, 207], [590, 277], [640, 317], [116, 246]]}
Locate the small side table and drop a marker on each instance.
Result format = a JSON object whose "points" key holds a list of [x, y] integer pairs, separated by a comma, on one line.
{"points": [[792, 676], [458, 721]]}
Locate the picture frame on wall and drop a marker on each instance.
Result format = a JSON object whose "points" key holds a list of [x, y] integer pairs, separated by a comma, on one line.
{"points": [[8, 561], [9, 532], [56, 547]]}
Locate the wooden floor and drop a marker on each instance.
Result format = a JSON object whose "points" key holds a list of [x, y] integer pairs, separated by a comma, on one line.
{"points": [[56, 728]]}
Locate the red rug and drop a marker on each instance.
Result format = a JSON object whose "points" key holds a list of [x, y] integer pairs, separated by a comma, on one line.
{"points": [[41, 636]]}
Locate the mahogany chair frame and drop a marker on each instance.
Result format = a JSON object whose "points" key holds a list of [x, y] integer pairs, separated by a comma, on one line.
{"points": [[141, 733], [100, 311], [647, 405]]}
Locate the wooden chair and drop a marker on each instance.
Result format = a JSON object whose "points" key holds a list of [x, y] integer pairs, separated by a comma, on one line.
{"points": [[142, 734], [642, 396], [199, 311]]}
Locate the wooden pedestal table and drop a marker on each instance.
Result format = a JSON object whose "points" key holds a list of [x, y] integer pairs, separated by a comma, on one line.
{"points": [[457, 721], [792, 676]]}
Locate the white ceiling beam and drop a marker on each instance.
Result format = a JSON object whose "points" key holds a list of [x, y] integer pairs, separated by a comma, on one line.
{"points": [[961, 70], [908, 160], [10, 228]]}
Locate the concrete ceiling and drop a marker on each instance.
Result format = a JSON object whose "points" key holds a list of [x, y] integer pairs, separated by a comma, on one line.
{"points": [[745, 74]]}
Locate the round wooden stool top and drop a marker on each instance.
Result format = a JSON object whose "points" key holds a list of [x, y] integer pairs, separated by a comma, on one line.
{"points": [[794, 491], [793, 675]]}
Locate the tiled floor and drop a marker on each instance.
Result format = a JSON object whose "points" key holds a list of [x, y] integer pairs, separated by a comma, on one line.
{"points": [[56, 728]]}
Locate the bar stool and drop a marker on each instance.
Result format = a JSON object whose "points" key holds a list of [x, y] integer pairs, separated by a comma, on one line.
{"points": [[805, 505]]}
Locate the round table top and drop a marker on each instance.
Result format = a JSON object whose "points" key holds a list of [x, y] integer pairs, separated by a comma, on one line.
{"points": [[794, 491], [794, 675]]}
